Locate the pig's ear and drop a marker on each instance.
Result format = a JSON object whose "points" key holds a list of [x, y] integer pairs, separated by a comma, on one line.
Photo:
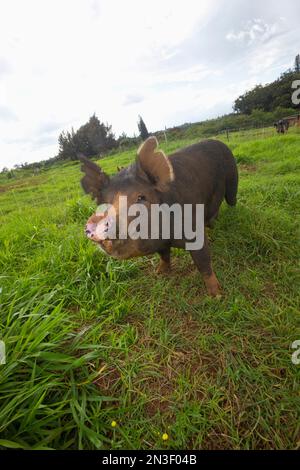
{"points": [[155, 164], [94, 180]]}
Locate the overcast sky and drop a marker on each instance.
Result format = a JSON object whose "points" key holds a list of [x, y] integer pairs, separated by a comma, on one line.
{"points": [[172, 61]]}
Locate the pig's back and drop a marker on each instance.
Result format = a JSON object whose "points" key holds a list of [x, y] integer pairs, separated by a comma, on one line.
{"points": [[201, 171]]}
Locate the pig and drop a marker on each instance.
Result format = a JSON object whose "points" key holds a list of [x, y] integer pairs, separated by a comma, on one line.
{"points": [[204, 173]]}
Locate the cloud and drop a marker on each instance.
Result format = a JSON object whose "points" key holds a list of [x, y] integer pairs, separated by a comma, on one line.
{"points": [[51, 126], [7, 114], [35, 143], [186, 75], [16, 140], [132, 99], [5, 67], [173, 62], [256, 30], [95, 7], [44, 140]]}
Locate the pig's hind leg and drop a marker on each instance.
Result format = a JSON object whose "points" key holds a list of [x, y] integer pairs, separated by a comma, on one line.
{"points": [[165, 261], [202, 260], [211, 222]]}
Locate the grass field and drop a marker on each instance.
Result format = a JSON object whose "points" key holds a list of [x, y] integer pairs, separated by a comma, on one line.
{"points": [[90, 340]]}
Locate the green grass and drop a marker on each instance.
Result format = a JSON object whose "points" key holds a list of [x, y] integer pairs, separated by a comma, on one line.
{"points": [[91, 340]]}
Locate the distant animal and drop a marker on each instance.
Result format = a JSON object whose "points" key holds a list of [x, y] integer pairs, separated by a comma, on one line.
{"points": [[282, 126], [203, 173]]}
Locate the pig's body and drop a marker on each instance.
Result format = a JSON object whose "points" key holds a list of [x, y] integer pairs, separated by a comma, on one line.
{"points": [[203, 173]]}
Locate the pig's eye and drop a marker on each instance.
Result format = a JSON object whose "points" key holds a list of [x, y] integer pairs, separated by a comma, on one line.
{"points": [[141, 198]]}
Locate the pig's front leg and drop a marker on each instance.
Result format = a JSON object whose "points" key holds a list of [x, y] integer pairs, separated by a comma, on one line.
{"points": [[165, 261], [202, 261]]}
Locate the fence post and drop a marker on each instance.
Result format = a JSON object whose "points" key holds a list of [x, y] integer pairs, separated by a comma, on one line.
{"points": [[227, 133], [165, 134]]}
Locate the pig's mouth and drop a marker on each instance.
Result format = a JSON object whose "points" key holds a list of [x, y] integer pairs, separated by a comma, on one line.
{"points": [[114, 248], [100, 234], [99, 230]]}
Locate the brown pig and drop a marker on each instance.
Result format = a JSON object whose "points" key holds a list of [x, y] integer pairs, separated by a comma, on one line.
{"points": [[202, 174]]}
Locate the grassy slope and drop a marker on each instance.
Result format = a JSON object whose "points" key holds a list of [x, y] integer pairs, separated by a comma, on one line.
{"points": [[91, 340]]}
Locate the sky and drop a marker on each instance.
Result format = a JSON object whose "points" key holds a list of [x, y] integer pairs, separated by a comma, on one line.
{"points": [[171, 61]]}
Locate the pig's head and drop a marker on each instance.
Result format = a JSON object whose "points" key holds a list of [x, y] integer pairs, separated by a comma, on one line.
{"points": [[146, 182]]}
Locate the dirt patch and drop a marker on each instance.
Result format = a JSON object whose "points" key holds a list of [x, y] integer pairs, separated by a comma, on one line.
{"points": [[157, 405], [269, 290], [108, 377], [247, 168], [160, 391]]}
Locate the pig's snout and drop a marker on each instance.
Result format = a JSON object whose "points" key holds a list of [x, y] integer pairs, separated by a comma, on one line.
{"points": [[90, 230], [98, 227]]}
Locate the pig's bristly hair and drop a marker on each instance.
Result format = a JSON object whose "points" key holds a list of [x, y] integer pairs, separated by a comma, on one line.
{"points": [[94, 179], [155, 163]]}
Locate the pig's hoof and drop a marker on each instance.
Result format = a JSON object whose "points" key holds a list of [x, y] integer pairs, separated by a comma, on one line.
{"points": [[163, 268], [213, 287], [215, 292]]}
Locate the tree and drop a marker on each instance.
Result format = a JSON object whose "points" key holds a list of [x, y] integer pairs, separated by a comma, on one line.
{"points": [[297, 63], [268, 97], [92, 138], [67, 147], [95, 137], [142, 129]]}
